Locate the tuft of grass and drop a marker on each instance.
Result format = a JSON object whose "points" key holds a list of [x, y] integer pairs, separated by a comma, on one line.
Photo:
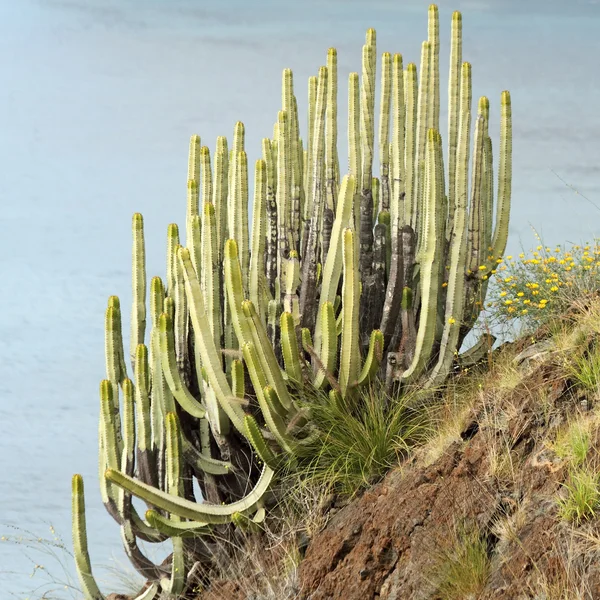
{"points": [[582, 496], [573, 442], [584, 369], [464, 567], [356, 443]]}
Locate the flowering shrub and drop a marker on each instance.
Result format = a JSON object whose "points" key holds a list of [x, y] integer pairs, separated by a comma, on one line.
{"points": [[534, 287]]}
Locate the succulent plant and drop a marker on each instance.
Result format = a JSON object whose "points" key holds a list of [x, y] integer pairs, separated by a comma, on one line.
{"points": [[337, 281]]}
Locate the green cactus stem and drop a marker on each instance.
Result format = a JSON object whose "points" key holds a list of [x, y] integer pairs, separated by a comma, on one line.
{"points": [[186, 508], [80, 546]]}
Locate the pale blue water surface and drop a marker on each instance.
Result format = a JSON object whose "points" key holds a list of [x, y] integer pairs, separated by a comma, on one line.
{"points": [[98, 99]]}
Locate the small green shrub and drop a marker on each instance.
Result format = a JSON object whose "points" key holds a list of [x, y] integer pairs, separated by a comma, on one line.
{"points": [[583, 496], [574, 442], [463, 568], [532, 289]]}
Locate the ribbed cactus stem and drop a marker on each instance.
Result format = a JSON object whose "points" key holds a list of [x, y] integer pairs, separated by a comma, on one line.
{"points": [[138, 309], [211, 358], [331, 155], [257, 281], [284, 180], [89, 587], [210, 279], [308, 291], [172, 245], [191, 510], [434, 72], [194, 159], [350, 345], [354, 148], [432, 247], [398, 188], [220, 192], [410, 144], [175, 584], [421, 140], [384, 129], [454, 109], [504, 177]]}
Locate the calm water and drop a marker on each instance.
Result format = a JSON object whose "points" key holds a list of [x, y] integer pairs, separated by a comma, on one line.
{"points": [[98, 100]]}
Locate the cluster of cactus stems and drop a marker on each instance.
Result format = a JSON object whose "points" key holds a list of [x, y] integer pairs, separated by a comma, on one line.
{"points": [[335, 282]]}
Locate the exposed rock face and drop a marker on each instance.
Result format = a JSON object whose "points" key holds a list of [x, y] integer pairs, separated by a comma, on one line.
{"points": [[389, 543]]}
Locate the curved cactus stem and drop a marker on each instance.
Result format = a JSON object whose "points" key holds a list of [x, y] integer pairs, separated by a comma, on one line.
{"points": [[209, 465], [256, 438], [289, 346], [180, 391], [373, 358], [211, 358], [350, 353], [234, 289], [187, 509], [138, 271], [149, 593], [175, 528], [272, 411], [267, 356], [110, 450], [90, 588]]}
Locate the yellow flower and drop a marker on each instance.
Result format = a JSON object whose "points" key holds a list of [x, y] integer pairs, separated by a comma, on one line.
{"points": [[509, 257], [445, 284], [554, 288], [502, 294], [520, 294], [535, 293], [508, 279], [522, 255], [451, 320], [527, 301], [482, 267], [524, 311], [507, 302], [511, 309]]}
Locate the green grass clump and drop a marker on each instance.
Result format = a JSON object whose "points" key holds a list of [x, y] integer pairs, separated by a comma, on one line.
{"points": [[583, 496], [464, 567], [358, 441], [574, 442]]}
